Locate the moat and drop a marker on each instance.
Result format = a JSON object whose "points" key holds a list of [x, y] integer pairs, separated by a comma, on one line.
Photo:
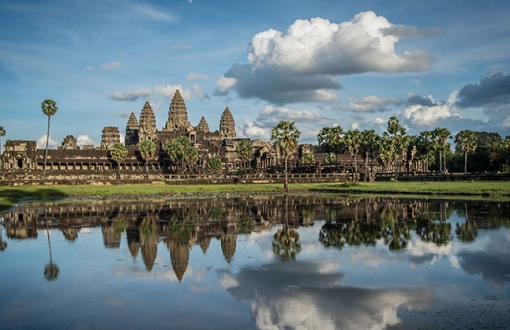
{"points": [[259, 262]]}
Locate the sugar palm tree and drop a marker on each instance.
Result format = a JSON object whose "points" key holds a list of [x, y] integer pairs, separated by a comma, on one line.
{"points": [[118, 154], [244, 150], [214, 164], [441, 135], [330, 140], [147, 151], [398, 139], [352, 140], [285, 137], [176, 149], [49, 108], [425, 142], [51, 270], [2, 133], [504, 146], [369, 145], [465, 141]]}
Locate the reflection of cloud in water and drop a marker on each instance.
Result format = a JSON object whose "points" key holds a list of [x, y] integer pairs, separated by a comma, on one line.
{"points": [[418, 248], [299, 295], [164, 275], [493, 262]]}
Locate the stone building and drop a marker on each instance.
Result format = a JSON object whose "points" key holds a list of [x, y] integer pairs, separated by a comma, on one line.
{"points": [[24, 157]]}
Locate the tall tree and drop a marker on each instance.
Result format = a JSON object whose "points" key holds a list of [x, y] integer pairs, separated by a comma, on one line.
{"points": [[465, 141], [190, 156], [504, 146], [176, 149], [352, 141], [307, 158], [369, 145], [214, 164], [147, 151], [49, 108], [425, 143], [441, 136], [285, 137], [398, 139], [2, 133], [118, 154], [330, 140], [244, 150]]}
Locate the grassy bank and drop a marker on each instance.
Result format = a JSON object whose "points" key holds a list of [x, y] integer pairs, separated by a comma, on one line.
{"points": [[500, 190]]}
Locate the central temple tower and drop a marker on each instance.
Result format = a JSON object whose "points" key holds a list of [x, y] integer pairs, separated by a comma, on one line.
{"points": [[177, 114]]}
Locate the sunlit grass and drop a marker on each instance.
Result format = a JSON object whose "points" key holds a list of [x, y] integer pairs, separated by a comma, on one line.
{"points": [[500, 190]]}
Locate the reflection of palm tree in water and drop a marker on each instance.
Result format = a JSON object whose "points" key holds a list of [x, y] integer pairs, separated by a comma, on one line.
{"points": [[3, 244], [286, 240], [467, 231], [51, 270]]}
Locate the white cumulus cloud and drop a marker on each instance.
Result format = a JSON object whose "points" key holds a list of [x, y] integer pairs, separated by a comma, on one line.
{"points": [[292, 66]]}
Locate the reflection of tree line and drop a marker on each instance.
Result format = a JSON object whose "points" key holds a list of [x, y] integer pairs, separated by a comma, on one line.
{"points": [[392, 221], [183, 224]]}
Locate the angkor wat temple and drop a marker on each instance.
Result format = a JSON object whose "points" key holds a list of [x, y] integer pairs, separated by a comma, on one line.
{"points": [[71, 161]]}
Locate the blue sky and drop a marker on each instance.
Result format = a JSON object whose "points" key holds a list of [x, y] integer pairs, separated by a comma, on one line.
{"points": [[318, 63]]}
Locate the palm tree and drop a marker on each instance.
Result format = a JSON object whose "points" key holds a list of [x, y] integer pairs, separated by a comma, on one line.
{"points": [[176, 149], [505, 148], [51, 270], [398, 139], [369, 145], [441, 135], [190, 155], [214, 164], [307, 158], [3, 245], [330, 140], [352, 140], [285, 137], [424, 141], [147, 151], [244, 150], [118, 154], [466, 141], [2, 133], [49, 108]]}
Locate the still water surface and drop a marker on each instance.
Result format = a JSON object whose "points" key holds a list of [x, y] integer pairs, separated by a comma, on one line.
{"points": [[305, 262]]}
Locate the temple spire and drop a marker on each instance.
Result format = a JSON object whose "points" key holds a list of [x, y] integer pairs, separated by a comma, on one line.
{"points": [[227, 125], [177, 114]]}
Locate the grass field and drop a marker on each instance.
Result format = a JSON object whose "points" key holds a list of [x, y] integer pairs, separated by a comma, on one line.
{"points": [[486, 189]]}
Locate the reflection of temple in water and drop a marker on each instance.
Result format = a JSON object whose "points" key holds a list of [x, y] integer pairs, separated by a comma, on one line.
{"points": [[182, 224]]}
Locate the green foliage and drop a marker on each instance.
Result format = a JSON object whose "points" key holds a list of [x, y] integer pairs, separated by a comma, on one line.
{"points": [[244, 150], [307, 158], [285, 137], [2, 131], [214, 164], [330, 158], [119, 152], [465, 141], [147, 149], [49, 107], [330, 139]]}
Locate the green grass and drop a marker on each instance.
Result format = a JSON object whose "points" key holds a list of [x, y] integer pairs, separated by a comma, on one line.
{"points": [[499, 190]]}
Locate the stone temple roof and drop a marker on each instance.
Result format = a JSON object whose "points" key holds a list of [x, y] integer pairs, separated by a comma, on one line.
{"points": [[227, 125], [203, 126], [132, 121]]}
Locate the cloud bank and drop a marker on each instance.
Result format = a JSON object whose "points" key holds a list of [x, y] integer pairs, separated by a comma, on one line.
{"points": [[303, 64]]}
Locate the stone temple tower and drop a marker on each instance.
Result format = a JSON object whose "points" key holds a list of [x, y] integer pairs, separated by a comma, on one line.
{"points": [[109, 137], [177, 114], [203, 126], [227, 125], [132, 127], [147, 130]]}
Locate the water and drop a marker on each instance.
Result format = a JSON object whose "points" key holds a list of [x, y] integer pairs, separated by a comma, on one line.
{"points": [[306, 262]]}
